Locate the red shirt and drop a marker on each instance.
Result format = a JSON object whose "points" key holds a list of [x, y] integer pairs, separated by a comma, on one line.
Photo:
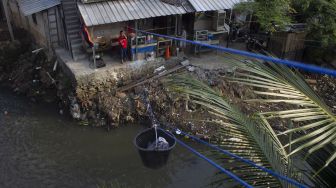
{"points": [[122, 41]]}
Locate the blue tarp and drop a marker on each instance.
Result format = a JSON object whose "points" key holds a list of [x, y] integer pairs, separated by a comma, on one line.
{"points": [[144, 49]]}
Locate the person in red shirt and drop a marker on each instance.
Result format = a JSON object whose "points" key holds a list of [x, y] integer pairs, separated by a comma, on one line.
{"points": [[123, 46]]}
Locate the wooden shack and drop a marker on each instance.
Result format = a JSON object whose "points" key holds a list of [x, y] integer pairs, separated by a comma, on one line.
{"points": [[105, 19], [288, 45], [42, 19]]}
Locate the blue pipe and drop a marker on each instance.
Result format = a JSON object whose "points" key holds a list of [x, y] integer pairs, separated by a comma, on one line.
{"points": [[294, 64], [275, 174], [233, 176]]}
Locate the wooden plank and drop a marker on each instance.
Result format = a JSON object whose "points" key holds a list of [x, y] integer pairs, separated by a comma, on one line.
{"points": [[156, 77]]}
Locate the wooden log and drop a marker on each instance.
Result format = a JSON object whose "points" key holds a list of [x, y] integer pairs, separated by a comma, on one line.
{"points": [[160, 75]]}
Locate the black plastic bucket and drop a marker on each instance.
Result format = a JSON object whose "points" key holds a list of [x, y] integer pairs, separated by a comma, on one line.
{"points": [[153, 158]]}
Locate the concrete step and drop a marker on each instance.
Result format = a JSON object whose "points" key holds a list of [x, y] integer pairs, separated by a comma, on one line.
{"points": [[54, 44], [71, 11], [54, 38], [52, 18], [77, 41], [71, 22], [52, 25], [78, 51], [76, 46], [78, 57], [74, 26], [73, 31], [74, 36], [69, 3], [53, 31], [69, 8], [71, 17]]}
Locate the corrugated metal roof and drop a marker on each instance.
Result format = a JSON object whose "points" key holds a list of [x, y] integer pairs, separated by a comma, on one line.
{"points": [[210, 5], [29, 7], [123, 10], [187, 6]]}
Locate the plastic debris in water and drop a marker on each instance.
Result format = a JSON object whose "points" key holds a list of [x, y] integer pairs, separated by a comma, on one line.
{"points": [[178, 131], [159, 144]]}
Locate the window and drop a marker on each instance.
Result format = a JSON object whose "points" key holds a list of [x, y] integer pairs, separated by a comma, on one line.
{"points": [[34, 18]]}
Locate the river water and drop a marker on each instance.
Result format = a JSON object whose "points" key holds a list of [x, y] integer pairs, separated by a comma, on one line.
{"points": [[40, 148]]}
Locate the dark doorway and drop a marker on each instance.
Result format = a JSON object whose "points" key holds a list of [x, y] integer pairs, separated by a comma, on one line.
{"points": [[188, 21]]}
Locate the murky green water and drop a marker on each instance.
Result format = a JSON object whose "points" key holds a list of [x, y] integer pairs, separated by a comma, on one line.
{"points": [[40, 148]]}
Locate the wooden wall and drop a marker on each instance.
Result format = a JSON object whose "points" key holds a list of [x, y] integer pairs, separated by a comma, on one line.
{"points": [[288, 45]]}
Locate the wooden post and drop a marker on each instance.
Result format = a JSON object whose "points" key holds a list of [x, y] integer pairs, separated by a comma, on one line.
{"points": [[230, 25], [250, 21], [136, 40], [10, 29], [176, 28], [176, 24]]}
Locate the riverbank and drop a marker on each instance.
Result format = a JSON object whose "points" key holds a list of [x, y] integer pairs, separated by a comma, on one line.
{"points": [[41, 148], [113, 98]]}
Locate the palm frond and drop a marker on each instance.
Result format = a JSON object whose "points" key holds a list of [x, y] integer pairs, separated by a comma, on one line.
{"points": [[251, 138], [314, 122]]}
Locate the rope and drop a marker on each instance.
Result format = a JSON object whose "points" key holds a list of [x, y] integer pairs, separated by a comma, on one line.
{"points": [[275, 174], [294, 64]]}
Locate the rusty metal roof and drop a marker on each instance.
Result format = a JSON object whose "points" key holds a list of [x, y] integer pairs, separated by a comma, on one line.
{"points": [[211, 5], [29, 7], [106, 12]]}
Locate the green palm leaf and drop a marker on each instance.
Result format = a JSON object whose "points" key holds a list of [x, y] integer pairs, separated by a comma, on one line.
{"points": [[315, 124], [251, 138]]}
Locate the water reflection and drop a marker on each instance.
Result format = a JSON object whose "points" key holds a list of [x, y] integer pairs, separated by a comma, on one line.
{"points": [[40, 148]]}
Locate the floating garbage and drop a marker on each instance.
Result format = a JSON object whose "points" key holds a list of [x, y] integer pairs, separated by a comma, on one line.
{"points": [[154, 152]]}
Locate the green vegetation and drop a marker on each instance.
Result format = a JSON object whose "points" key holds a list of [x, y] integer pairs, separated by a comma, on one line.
{"points": [[308, 125], [268, 12], [249, 137], [318, 14], [314, 123], [320, 17]]}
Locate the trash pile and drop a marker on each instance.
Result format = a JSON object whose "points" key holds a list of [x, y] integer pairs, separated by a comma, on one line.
{"points": [[30, 71]]}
